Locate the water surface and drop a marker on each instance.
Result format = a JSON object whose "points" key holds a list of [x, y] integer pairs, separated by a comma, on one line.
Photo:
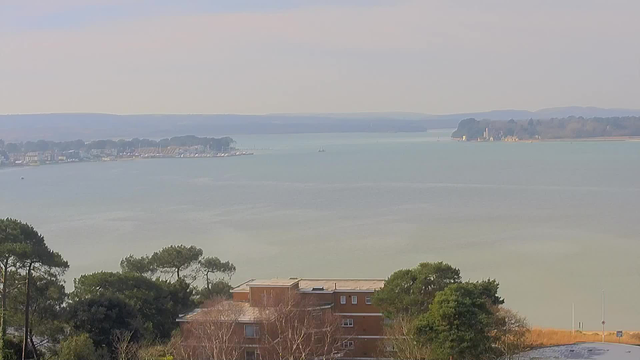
{"points": [[555, 223]]}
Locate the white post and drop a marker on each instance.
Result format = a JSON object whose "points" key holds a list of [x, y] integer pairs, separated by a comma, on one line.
{"points": [[603, 322], [573, 318]]}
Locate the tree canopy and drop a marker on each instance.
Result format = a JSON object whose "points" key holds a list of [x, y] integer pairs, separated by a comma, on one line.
{"points": [[156, 303], [101, 316], [411, 291], [458, 324], [176, 259]]}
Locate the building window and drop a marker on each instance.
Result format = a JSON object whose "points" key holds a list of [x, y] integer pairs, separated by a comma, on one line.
{"points": [[347, 322], [348, 345], [250, 355], [343, 299], [367, 300], [251, 331], [354, 299]]}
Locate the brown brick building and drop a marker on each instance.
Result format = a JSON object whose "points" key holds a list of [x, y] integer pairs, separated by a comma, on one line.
{"points": [[345, 302]]}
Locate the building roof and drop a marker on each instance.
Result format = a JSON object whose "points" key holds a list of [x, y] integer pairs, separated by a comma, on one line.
{"points": [[316, 284], [341, 284], [227, 311], [273, 282]]}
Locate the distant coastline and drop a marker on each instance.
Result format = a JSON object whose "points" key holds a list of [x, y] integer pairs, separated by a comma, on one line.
{"points": [[53, 153], [565, 129]]}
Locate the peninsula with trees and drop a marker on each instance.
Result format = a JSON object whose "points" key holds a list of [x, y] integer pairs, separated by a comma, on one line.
{"points": [[550, 129], [51, 152]]}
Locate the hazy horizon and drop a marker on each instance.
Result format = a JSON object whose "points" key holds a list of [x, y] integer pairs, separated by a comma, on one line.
{"points": [[252, 57], [357, 112]]}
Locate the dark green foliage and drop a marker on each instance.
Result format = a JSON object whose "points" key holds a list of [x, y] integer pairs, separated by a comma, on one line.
{"points": [[78, 347], [216, 290], [13, 349], [177, 260], [47, 300], [138, 265], [211, 267], [471, 128], [566, 128], [101, 316], [411, 291], [489, 290], [459, 324], [157, 303]]}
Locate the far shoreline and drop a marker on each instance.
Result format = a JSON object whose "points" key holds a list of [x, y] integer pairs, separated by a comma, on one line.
{"points": [[592, 139]]}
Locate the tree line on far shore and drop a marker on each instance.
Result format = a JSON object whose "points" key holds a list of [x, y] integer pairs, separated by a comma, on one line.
{"points": [[565, 128], [122, 145]]}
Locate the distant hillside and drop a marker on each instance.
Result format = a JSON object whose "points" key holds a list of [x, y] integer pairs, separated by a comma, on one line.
{"points": [[62, 127]]}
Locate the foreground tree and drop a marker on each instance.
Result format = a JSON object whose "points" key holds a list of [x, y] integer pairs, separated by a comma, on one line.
{"points": [[459, 324], [177, 260], [511, 333], [212, 267], [35, 257], [11, 248], [182, 264], [100, 317], [79, 347], [401, 341], [298, 329], [138, 265], [409, 292], [215, 332], [46, 309], [157, 303]]}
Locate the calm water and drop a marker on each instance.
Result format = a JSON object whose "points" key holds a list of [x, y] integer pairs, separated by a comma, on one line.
{"points": [[555, 223]]}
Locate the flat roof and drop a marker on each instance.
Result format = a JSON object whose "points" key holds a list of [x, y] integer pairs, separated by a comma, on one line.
{"points": [[272, 282], [310, 284], [341, 284], [228, 311]]}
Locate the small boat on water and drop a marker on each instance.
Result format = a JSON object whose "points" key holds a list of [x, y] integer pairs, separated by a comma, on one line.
{"points": [[321, 150]]}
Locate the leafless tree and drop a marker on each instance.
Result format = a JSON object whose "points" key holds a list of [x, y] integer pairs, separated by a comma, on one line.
{"points": [[213, 333], [512, 333], [124, 348], [400, 343], [295, 329]]}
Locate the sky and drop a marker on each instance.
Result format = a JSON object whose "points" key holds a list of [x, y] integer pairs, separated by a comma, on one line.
{"points": [[259, 56]]}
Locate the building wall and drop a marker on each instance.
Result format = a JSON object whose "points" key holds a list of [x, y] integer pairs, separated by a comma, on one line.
{"points": [[364, 325], [365, 348], [360, 307], [368, 322], [265, 296], [240, 296]]}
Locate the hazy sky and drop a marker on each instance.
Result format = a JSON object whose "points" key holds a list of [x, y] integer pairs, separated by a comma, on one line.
{"points": [[244, 56]]}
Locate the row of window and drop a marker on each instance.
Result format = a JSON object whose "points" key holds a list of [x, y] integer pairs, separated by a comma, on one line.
{"points": [[354, 300]]}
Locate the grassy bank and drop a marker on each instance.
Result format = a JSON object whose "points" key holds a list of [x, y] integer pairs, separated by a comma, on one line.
{"points": [[550, 337]]}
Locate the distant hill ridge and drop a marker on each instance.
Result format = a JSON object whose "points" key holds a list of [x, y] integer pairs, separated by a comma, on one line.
{"points": [[90, 126]]}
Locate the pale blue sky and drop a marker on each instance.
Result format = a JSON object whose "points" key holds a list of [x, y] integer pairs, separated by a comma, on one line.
{"points": [[252, 56]]}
